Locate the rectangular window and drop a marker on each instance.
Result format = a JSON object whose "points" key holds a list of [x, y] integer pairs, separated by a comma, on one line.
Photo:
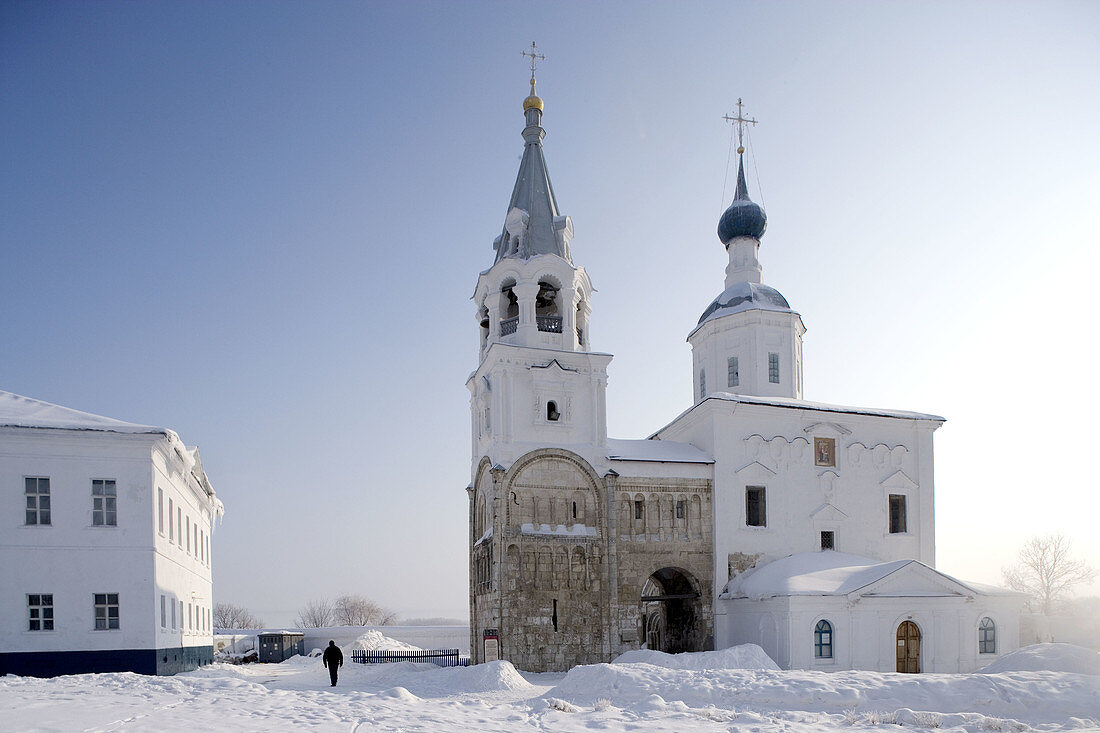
{"points": [[179, 531], [195, 531], [756, 514], [106, 611], [37, 490], [639, 509], [40, 612], [827, 540], [702, 385], [680, 509], [173, 615], [181, 616], [163, 611], [773, 368], [160, 510], [190, 622], [733, 378], [187, 534], [104, 506], [897, 514], [171, 526]]}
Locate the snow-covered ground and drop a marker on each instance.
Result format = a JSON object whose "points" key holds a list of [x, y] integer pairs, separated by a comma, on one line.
{"points": [[640, 691]]}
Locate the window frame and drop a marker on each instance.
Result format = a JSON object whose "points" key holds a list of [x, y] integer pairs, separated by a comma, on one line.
{"points": [[733, 372], [761, 504], [987, 636], [107, 510], [821, 644], [103, 604], [40, 612], [773, 367], [897, 522], [37, 496], [832, 539]]}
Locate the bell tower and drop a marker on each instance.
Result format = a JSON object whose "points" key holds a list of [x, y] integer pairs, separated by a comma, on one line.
{"points": [[538, 383]]}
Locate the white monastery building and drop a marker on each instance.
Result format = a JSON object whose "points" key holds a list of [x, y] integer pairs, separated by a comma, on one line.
{"points": [[754, 516], [105, 545]]}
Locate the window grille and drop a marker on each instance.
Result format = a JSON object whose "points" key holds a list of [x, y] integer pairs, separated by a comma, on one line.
{"points": [[823, 640], [987, 636], [773, 368], [827, 540], [104, 506], [106, 611], [40, 612], [733, 377], [37, 490]]}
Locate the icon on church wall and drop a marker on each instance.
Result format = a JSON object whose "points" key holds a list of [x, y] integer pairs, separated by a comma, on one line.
{"points": [[824, 452]]}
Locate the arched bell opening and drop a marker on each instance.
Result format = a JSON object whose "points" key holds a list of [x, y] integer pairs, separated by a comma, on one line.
{"points": [[671, 616], [508, 308], [548, 306]]}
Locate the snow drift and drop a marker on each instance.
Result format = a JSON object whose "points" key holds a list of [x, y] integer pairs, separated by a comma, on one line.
{"points": [[1047, 657], [743, 656]]}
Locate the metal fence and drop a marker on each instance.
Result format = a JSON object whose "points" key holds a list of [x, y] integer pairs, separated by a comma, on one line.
{"points": [[441, 657]]}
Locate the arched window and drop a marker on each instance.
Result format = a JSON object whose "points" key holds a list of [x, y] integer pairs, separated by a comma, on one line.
{"points": [[552, 413], [823, 640], [987, 636]]}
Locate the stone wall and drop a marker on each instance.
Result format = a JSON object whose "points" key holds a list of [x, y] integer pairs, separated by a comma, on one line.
{"points": [[559, 575]]}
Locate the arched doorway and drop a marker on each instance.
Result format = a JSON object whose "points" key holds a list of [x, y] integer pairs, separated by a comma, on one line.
{"points": [[670, 613], [908, 646]]}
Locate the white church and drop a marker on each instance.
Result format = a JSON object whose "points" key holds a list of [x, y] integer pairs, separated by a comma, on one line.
{"points": [[754, 516], [105, 545]]}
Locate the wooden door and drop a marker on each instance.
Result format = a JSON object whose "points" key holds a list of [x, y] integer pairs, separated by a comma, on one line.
{"points": [[908, 646]]}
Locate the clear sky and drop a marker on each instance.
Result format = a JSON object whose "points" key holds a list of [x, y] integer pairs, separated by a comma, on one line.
{"points": [[260, 224]]}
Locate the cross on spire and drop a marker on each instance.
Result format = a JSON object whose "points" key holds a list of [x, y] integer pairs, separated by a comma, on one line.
{"points": [[741, 121], [535, 57]]}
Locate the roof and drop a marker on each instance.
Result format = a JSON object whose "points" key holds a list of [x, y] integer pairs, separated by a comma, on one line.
{"points": [[533, 225], [659, 451], [25, 412], [829, 573], [797, 404], [745, 296]]}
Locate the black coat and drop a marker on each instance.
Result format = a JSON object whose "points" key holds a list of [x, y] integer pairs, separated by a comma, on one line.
{"points": [[333, 656]]}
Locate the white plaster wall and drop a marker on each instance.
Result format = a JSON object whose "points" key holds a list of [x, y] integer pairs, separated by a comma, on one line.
{"points": [[71, 558], [750, 336], [865, 632], [517, 394], [770, 446]]}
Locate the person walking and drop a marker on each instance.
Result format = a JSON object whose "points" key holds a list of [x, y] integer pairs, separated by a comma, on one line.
{"points": [[333, 658]]}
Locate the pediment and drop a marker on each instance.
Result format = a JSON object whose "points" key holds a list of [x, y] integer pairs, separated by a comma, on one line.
{"points": [[754, 470], [553, 363], [914, 579], [826, 428], [898, 480], [827, 513]]}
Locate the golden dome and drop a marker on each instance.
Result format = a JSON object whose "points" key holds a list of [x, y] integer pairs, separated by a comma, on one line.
{"points": [[532, 102]]}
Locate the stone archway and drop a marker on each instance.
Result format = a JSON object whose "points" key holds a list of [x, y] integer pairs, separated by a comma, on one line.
{"points": [[671, 616]]}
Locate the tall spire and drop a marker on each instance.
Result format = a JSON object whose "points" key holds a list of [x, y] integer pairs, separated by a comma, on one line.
{"points": [[533, 226]]}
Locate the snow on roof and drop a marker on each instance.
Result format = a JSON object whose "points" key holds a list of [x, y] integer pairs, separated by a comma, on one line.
{"points": [[662, 451], [25, 412], [829, 574], [796, 404]]}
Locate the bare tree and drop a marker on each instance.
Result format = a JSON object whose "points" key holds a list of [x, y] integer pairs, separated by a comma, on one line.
{"points": [[1045, 571], [228, 616], [355, 610], [315, 614]]}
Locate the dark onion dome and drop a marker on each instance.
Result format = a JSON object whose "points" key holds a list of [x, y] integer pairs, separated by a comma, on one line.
{"points": [[743, 218], [745, 296]]}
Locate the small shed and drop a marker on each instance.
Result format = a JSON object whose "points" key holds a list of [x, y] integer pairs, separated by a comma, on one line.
{"points": [[276, 646]]}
